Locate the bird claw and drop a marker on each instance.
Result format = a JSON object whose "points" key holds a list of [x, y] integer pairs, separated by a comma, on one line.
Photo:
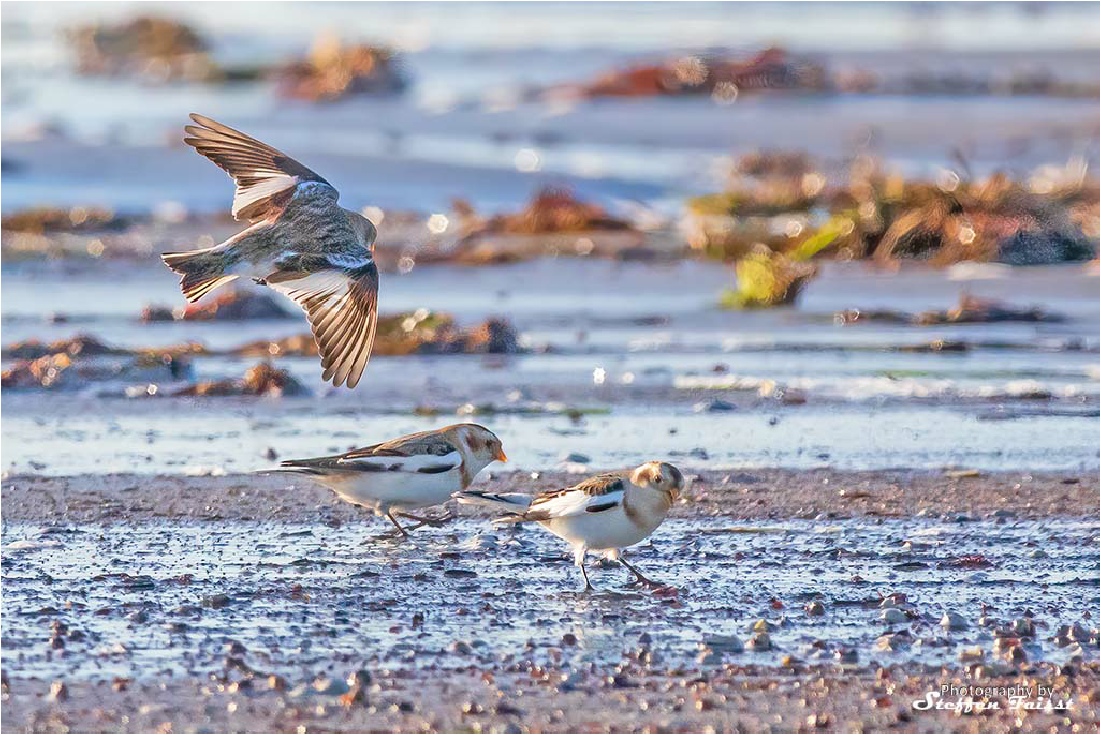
{"points": [[647, 583], [430, 522]]}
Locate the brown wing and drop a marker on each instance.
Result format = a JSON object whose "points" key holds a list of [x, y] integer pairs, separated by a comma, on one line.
{"points": [[422, 443], [593, 486], [341, 304], [266, 178]]}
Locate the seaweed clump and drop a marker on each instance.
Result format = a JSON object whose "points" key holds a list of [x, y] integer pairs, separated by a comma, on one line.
{"points": [[156, 49], [333, 70], [263, 379]]}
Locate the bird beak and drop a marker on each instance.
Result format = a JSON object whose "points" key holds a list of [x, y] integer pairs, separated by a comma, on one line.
{"points": [[500, 456]]}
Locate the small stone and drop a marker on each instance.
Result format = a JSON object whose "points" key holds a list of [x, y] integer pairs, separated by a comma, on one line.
{"points": [[569, 639], [973, 655], [847, 656], [953, 621], [893, 615], [715, 405], [460, 647], [58, 691], [359, 677], [1024, 627], [724, 643], [329, 687], [760, 641], [815, 609], [577, 458]]}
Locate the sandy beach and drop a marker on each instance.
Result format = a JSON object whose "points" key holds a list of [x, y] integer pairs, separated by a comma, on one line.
{"points": [[459, 632]]}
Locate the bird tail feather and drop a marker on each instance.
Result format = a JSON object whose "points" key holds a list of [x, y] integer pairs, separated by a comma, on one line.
{"points": [[200, 271], [513, 505]]}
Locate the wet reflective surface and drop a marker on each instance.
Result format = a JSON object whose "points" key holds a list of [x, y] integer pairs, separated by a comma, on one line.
{"points": [[168, 598]]}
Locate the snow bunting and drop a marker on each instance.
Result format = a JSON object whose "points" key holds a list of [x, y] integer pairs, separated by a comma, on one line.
{"points": [[413, 471], [300, 243], [604, 513]]}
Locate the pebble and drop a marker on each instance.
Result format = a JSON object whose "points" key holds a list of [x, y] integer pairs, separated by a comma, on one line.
{"points": [[59, 692], [972, 655], [714, 405], [893, 615], [892, 642], [329, 687], [952, 620], [815, 609], [460, 647], [847, 656], [760, 641], [726, 643], [1024, 627], [577, 457]]}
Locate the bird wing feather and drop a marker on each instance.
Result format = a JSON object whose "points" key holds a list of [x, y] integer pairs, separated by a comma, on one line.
{"points": [[594, 495], [266, 178], [342, 307]]}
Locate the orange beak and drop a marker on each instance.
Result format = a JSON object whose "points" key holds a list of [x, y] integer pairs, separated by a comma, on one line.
{"points": [[501, 457]]}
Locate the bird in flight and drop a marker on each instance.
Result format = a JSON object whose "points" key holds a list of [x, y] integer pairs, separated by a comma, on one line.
{"points": [[299, 242], [410, 472], [604, 513]]}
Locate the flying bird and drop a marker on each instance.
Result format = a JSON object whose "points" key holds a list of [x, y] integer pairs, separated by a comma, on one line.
{"points": [[604, 513], [414, 471], [300, 242]]}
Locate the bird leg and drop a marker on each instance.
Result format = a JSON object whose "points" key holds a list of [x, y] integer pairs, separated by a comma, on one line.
{"points": [[588, 585], [433, 522], [390, 515], [639, 577]]}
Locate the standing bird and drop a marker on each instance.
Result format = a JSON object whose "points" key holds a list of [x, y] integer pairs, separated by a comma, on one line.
{"points": [[409, 472], [604, 513], [300, 243]]}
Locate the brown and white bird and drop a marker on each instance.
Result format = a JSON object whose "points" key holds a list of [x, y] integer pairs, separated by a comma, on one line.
{"points": [[413, 471], [300, 242], [604, 513]]}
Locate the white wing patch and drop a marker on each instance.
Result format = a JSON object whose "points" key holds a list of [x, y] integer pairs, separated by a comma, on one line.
{"points": [[421, 463], [333, 284], [577, 503], [272, 183], [341, 307]]}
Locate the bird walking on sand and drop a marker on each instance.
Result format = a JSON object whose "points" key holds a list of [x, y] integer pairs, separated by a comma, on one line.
{"points": [[410, 472], [604, 513], [300, 242]]}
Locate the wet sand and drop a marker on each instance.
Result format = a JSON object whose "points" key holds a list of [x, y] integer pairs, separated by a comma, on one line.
{"points": [[736, 495], [530, 698], [169, 623]]}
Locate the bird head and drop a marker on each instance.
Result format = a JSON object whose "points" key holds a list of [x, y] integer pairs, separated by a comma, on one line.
{"points": [[479, 444], [364, 229], [660, 476]]}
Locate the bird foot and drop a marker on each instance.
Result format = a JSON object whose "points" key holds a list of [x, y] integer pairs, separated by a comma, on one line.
{"points": [[431, 522], [647, 583]]}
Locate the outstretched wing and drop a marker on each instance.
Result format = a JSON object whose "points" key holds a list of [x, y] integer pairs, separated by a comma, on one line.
{"points": [[266, 178], [342, 306]]}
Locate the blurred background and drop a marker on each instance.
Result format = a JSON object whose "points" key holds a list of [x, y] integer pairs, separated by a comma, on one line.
{"points": [[791, 234]]}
